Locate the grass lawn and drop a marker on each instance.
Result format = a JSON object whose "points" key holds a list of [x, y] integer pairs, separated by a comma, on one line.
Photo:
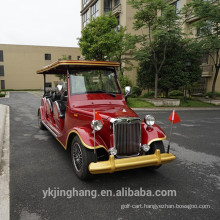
{"points": [[138, 103], [194, 103]]}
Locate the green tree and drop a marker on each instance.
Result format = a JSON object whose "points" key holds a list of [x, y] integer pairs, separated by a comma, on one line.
{"points": [[161, 24], [208, 30], [124, 52], [63, 77], [103, 39], [174, 73]]}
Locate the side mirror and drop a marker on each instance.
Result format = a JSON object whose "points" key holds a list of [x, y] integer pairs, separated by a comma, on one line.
{"points": [[127, 90], [59, 87]]}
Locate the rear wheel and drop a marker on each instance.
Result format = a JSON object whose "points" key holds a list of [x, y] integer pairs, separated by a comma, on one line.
{"points": [[81, 158], [154, 146], [40, 124]]}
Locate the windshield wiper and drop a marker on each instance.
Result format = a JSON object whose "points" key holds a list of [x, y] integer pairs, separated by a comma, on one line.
{"points": [[102, 91], [112, 94]]}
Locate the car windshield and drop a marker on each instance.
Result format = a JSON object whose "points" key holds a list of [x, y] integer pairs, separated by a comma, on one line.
{"points": [[94, 81]]}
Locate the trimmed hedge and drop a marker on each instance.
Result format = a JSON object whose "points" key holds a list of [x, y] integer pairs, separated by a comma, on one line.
{"points": [[209, 94], [148, 94], [175, 93], [136, 91]]}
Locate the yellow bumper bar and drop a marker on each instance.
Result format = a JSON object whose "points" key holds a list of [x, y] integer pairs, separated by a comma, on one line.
{"points": [[113, 165]]}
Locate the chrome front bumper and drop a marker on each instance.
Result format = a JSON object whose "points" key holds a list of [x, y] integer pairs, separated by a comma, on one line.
{"points": [[113, 165]]}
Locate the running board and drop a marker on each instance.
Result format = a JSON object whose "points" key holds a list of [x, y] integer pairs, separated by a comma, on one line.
{"points": [[49, 129]]}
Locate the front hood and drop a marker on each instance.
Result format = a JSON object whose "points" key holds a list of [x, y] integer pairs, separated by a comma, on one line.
{"points": [[108, 111]]}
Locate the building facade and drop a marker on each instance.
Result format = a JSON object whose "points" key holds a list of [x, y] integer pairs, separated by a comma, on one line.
{"points": [[19, 63], [208, 68], [124, 13]]}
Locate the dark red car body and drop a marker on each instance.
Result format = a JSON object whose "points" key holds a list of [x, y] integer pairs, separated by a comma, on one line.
{"points": [[79, 113]]}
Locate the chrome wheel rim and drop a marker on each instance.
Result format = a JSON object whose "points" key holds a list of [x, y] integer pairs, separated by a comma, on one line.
{"points": [[77, 157]]}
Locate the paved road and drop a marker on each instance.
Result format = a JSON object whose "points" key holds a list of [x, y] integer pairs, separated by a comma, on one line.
{"points": [[38, 162]]}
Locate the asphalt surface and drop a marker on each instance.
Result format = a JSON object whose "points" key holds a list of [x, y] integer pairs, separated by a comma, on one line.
{"points": [[38, 162]]}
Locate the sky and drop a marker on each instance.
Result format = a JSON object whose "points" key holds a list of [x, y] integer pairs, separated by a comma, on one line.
{"points": [[40, 22]]}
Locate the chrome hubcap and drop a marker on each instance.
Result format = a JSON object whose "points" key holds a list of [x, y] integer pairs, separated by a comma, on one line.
{"points": [[77, 157]]}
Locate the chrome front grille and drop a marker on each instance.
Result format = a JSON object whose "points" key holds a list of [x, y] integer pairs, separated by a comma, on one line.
{"points": [[127, 136]]}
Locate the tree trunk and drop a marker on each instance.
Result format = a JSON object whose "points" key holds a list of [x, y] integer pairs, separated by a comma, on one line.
{"points": [[156, 85], [167, 93], [214, 80]]}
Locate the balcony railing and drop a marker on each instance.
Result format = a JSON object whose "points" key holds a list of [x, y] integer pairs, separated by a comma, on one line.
{"points": [[207, 70], [117, 9]]}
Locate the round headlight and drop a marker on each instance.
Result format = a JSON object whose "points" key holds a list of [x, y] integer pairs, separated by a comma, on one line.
{"points": [[113, 151], [96, 125], [146, 148], [149, 120]]}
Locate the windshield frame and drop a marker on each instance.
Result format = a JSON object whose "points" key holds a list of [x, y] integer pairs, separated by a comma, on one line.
{"points": [[87, 70]]}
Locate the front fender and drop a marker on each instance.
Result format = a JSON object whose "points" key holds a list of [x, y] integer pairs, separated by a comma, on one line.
{"points": [[151, 134], [86, 136]]}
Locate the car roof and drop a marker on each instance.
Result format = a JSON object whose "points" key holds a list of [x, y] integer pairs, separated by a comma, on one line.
{"points": [[60, 67]]}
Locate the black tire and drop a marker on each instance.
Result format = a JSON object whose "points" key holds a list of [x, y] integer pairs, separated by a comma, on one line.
{"points": [[154, 146], [40, 124], [81, 158]]}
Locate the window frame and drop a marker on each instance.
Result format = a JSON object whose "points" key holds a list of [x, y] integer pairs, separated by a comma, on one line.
{"points": [[95, 10], [107, 9], [2, 83], [85, 18], [1, 56], [2, 70], [47, 56]]}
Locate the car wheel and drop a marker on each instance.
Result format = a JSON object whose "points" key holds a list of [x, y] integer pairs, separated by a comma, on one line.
{"points": [[154, 146], [40, 124], [81, 158]]}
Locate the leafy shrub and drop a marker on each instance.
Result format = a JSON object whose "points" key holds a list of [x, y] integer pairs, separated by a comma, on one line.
{"points": [[2, 94], [209, 94], [148, 94], [124, 81], [175, 93], [136, 91]]}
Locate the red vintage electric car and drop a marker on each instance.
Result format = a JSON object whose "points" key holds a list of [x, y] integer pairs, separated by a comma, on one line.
{"points": [[89, 115]]}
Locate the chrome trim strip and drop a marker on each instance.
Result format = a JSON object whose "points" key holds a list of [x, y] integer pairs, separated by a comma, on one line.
{"points": [[58, 107], [49, 129]]}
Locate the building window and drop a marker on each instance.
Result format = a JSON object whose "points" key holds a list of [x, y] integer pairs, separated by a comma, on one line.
{"points": [[107, 6], [118, 25], [2, 84], [69, 57], [177, 5], [2, 73], [47, 56], [85, 18], [205, 58], [205, 30], [1, 56], [117, 2], [118, 20], [95, 10], [48, 85], [85, 2]]}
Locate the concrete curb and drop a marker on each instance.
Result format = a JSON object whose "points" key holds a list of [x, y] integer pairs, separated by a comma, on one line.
{"points": [[4, 163], [3, 110], [177, 109]]}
